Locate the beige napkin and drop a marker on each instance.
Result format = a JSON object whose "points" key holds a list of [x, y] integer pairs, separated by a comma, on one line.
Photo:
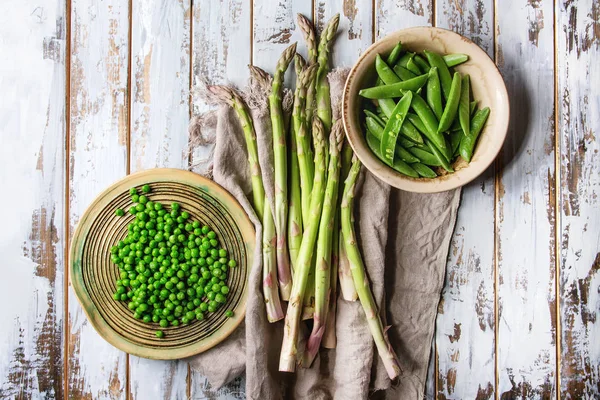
{"points": [[406, 233]]}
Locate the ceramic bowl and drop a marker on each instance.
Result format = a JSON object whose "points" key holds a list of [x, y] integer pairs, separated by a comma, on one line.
{"points": [[93, 275], [487, 88]]}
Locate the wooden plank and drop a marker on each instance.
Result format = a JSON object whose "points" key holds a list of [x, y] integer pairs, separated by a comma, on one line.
{"points": [[32, 120], [275, 29], [465, 323], [356, 28], [578, 120], [525, 204], [98, 157], [160, 74], [222, 46], [221, 43], [392, 15]]}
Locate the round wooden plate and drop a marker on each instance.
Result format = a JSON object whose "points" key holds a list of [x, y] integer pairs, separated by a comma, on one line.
{"points": [[93, 275]]}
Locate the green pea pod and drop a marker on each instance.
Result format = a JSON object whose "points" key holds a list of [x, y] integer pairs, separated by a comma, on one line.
{"points": [[389, 91], [375, 117], [374, 127], [398, 165], [405, 155], [429, 120], [464, 108], [423, 170], [417, 123], [387, 106], [411, 132], [385, 72], [425, 156], [456, 124], [392, 128], [403, 73], [404, 142], [451, 105], [440, 157], [423, 65], [434, 92], [454, 59], [403, 61], [412, 66], [435, 60], [467, 143], [394, 54], [455, 142]]}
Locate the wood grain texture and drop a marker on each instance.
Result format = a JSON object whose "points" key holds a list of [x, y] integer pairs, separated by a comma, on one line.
{"points": [[525, 204], [222, 43], [391, 15], [160, 110], [275, 29], [578, 40], [355, 29], [32, 132], [465, 336], [98, 157]]}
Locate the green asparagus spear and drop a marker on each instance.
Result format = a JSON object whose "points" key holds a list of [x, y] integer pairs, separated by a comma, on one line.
{"points": [[386, 352], [294, 224], [281, 170]]}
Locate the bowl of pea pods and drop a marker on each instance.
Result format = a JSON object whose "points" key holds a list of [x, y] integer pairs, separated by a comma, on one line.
{"points": [[425, 110]]}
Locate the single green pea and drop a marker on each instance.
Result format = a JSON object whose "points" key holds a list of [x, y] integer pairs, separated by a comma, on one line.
{"points": [[135, 198], [132, 191], [146, 188], [229, 313], [160, 334], [119, 212]]}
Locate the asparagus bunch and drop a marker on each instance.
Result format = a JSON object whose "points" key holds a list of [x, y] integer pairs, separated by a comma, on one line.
{"points": [[281, 169], [324, 242], [287, 360], [261, 207], [384, 347]]}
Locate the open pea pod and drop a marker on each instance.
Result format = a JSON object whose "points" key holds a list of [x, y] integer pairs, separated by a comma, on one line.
{"points": [[398, 164], [374, 128], [392, 128], [389, 91]]}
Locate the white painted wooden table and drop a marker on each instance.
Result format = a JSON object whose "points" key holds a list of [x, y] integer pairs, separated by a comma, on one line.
{"points": [[91, 90]]}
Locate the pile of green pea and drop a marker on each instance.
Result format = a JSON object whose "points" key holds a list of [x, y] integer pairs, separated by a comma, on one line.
{"points": [[172, 270], [420, 114]]}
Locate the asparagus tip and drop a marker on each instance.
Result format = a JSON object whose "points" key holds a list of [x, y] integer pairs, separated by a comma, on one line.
{"points": [[336, 138]]}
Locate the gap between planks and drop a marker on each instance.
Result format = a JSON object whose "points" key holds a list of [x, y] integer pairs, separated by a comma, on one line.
{"points": [[557, 199], [128, 149], [67, 198], [497, 167]]}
